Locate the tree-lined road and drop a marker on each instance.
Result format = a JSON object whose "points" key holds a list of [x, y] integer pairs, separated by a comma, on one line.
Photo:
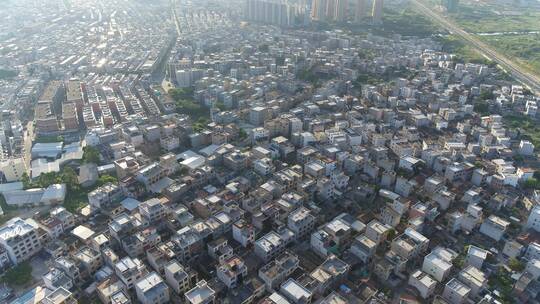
{"points": [[530, 80]]}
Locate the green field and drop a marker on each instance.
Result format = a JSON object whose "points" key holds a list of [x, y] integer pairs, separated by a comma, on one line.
{"points": [[479, 17], [513, 28], [523, 48], [407, 22], [454, 45]]}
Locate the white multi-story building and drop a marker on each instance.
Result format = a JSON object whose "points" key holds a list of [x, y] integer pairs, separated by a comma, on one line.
{"points": [[130, 271], [533, 251], [13, 168], [295, 292], [153, 210], [494, 227], [20, 239], [438, 263], [263, 166], [410, 244], [363, 247], [273, 243], [377, 231], [533, 222], [476, 256], [526, 148], [177, 277], [104, 195], [243, 233], [456, 292], [201, 294], [474, 278], [301, 222], [232, 271], [152, 290], [278, 270], [274, 12], [423, 282]]}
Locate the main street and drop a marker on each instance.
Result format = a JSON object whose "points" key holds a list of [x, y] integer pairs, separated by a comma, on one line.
{"points": [[526, 78]]}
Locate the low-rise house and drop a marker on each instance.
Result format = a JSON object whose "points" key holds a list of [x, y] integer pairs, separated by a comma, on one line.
{"points": [[494, 227], [295, 292], [456, 292], [151, 289], [423, 282], [200, 294], [179, 278], [130, 271], [232, 271], [474, 278], [277, 270]]}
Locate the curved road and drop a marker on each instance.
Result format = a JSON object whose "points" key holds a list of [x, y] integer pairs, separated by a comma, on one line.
{"points": [[526, 78]]}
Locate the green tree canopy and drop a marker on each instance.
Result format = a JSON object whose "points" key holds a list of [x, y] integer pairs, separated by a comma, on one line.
{"points": [[91, 155], [19, 275]]}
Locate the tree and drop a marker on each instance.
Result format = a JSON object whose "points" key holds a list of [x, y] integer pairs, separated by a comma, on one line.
{"points": [[200, 124], [19, 275], [391, 234], [264, 48], [502, 281], [25, 179], [70, 178], [486, 95], [46, 179], [181, 94], [6, 74], [531, 183], [91, 155], [481, 107], [194, 110], [242, 134], [516, 265], [220, 105], [104, 179]]}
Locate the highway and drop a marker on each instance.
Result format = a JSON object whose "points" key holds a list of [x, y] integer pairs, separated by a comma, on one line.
{"points": [[174, 3], [526, 78]]}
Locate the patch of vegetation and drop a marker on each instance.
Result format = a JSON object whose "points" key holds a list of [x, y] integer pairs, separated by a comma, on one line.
{"points": [[464, 52], [91, 155], [481, 107], [242, 134], [309, 75], [220, 105], [524, 48], [7, 74], [194, 110], [531, 183], [528, 128], [390, 74], [200, 124], [66, 176], [407, 23], [185, 104], [18, 275], [105, 178], [480, 17], [181, 93], [7, 209], [76, 199], [511, 27], [49, 139], [516, 265], [76, 196], [264, 48], [502, 282]]}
